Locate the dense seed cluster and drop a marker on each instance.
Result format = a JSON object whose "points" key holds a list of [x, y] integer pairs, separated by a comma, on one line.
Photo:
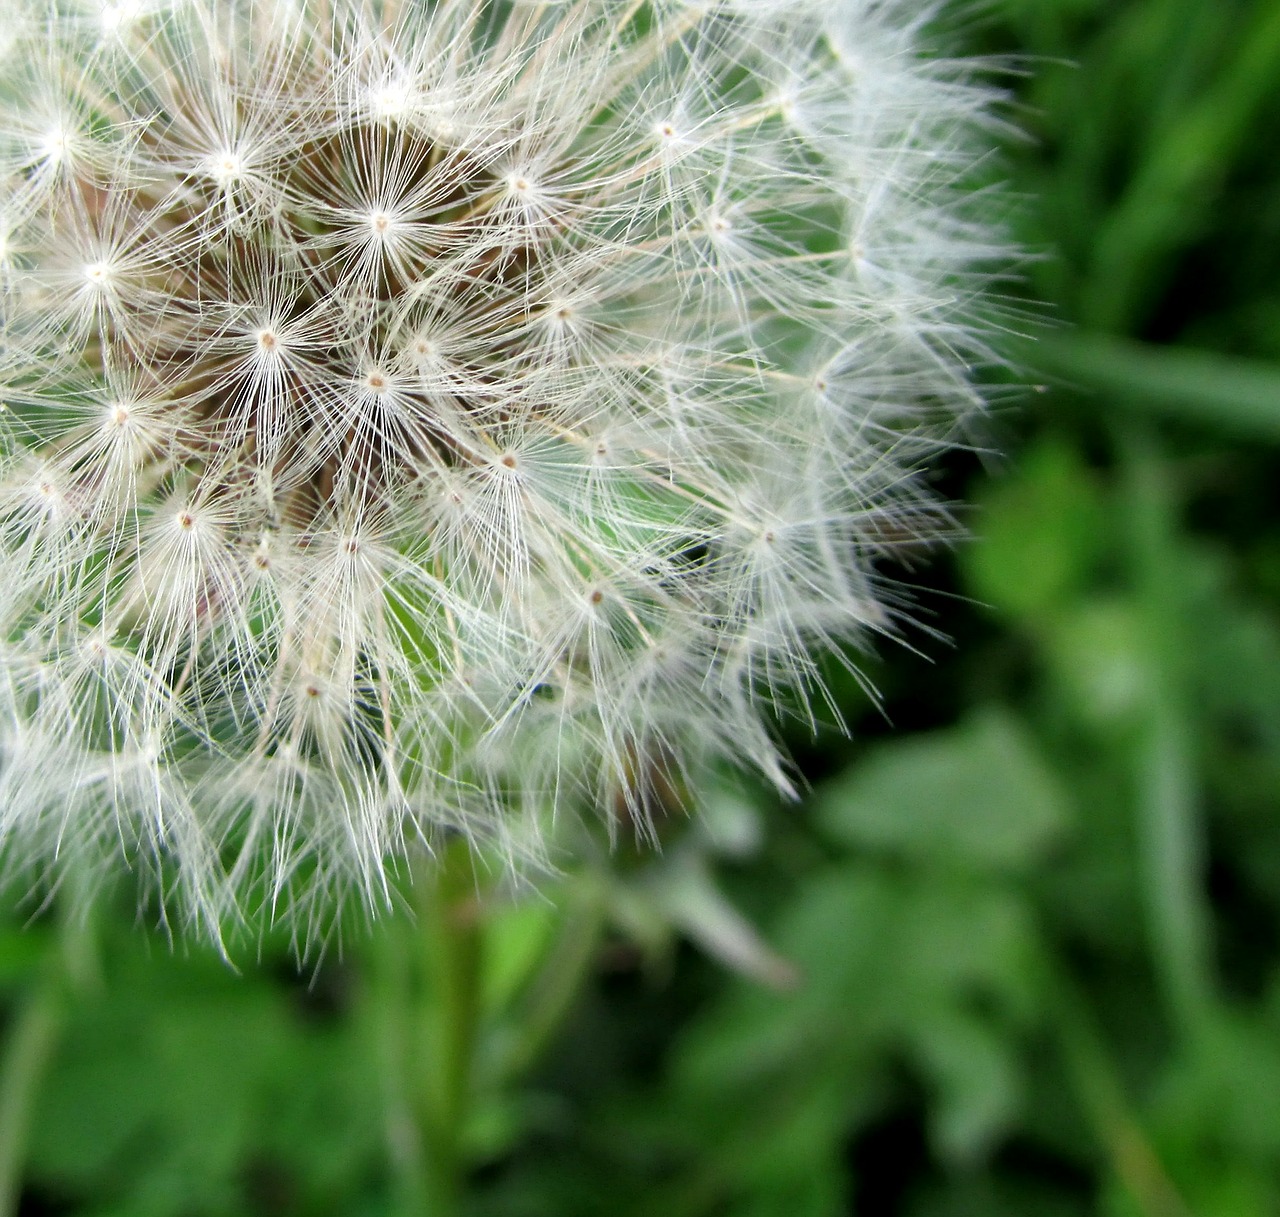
{"points": [[424, 416]]}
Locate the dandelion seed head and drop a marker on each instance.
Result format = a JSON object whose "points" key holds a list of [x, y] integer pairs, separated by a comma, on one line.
{"points": [[426, 420]]}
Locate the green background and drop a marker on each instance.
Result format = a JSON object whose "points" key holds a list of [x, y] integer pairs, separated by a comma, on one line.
{"points": [[1015, 954]]}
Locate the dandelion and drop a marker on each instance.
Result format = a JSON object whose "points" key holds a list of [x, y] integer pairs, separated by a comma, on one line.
{"points": [[425, 419]]}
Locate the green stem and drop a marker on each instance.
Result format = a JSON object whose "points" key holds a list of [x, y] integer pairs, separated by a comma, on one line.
{"points": [[560, 980], [1169, 846], [389, 1005], [1175, 186], [423, 1003], [33, 1035], [68, 966], [1101, 1096], [453, 966]]}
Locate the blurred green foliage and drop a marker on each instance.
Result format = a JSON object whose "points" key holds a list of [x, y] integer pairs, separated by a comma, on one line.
{"points": [[1016, 954]]}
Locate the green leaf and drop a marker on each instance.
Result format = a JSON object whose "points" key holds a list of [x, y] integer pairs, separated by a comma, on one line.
{"points": [[1219, 392], [974, 1073], [976, 796], [937, 970], [1039, 536], [182, 1089], [516, 939], [1098, 661]]}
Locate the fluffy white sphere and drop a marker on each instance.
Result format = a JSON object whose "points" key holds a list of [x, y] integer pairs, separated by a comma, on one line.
{"points": [[419, 417]]}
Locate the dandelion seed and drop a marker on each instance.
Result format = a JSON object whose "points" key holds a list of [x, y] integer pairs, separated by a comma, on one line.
{"points": [[436, 419]]}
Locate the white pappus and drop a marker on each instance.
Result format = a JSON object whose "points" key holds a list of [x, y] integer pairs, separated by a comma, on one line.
{"points": [[423, 418]]}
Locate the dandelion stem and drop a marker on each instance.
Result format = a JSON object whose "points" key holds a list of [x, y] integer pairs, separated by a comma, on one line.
{"points": [[32, 1038], [424, 1004], [30, 1044], [1171, 853], [452, 957], [561, 977], [1102, 1100]]}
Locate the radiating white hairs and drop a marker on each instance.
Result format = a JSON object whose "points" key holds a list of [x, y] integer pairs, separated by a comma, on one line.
{"points": [[421, 418]]}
